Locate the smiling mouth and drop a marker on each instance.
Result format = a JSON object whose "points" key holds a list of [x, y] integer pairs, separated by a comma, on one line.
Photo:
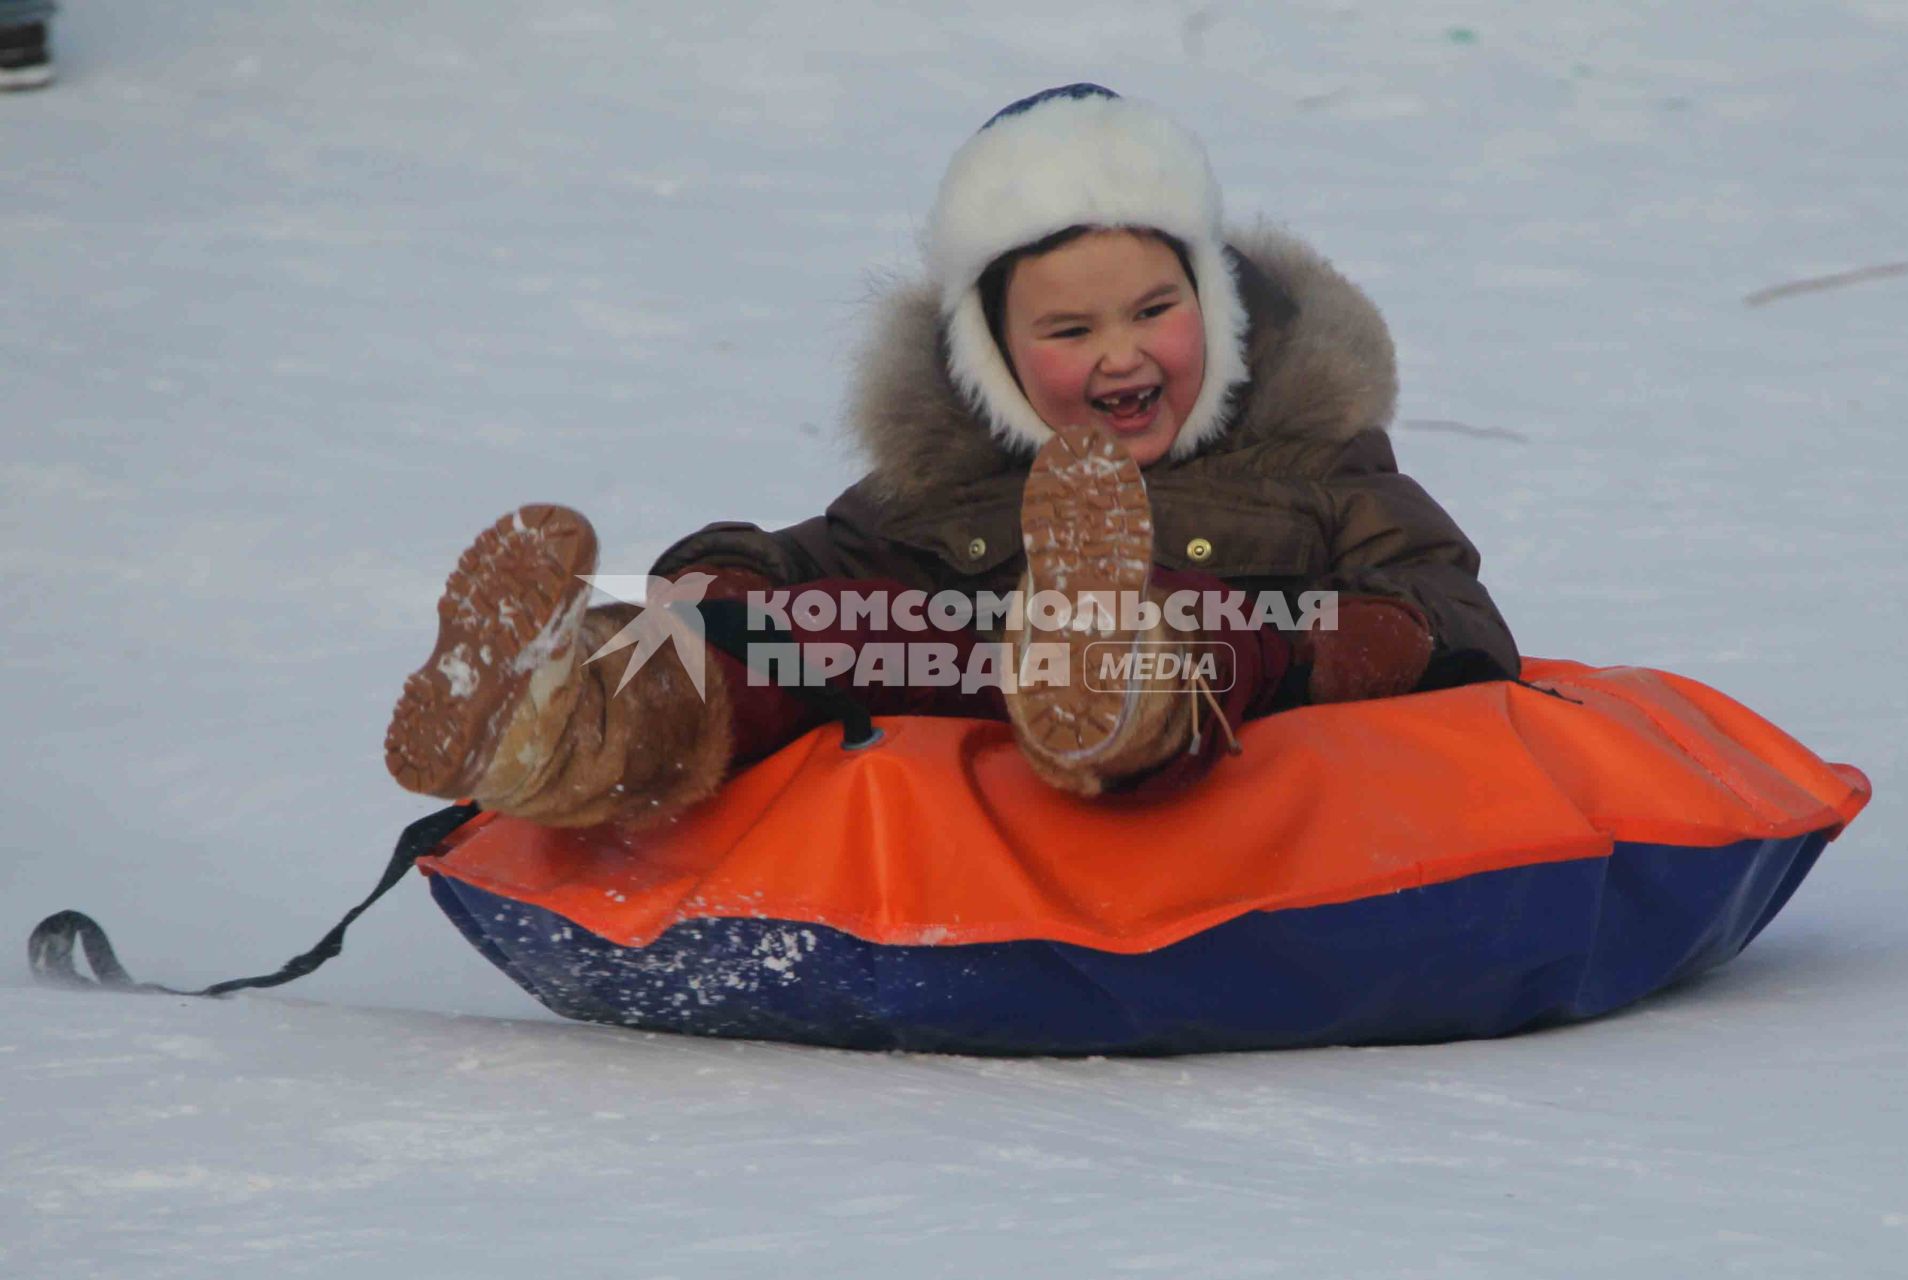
{"points": [[1125, 403]]}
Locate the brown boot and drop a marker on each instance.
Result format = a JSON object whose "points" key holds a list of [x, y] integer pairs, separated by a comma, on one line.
{"points": [[510, 710], [1088, 530]]}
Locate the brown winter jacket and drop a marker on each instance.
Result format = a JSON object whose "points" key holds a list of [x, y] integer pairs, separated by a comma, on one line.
{"points": [[1300, 492]]}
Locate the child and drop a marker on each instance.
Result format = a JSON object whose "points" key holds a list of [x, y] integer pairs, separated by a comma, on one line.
{"points": [[1085, 322]]}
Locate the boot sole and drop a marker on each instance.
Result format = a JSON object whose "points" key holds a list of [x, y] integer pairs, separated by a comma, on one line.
{"points": [[18, 79], [508, 608], [1087, 527]]}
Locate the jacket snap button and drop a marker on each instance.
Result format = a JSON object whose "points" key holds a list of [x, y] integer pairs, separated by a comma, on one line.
{"points": [[1199, 549], [977, 548]]}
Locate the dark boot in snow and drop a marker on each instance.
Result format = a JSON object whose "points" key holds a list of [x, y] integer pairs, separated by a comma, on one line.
{"points": [[24, 60]]}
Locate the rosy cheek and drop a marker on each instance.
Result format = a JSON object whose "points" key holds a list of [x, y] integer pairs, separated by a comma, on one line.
{"points": [[1179, 345], [1055, 376]]}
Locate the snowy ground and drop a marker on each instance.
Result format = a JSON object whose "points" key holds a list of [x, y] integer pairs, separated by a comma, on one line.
{"points": [[294, 297]]}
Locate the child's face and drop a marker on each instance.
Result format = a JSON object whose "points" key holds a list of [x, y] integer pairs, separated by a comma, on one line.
{"points": [[1107, 329]]}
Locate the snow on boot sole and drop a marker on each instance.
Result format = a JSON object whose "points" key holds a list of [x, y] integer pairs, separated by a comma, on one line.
{"points": [[1087, 527], [512, 606]]}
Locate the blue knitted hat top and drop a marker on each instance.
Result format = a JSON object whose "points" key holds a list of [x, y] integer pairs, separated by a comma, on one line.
{"points": [[1080, 90]]}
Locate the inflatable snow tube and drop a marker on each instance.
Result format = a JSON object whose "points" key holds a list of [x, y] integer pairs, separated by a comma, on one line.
{"points": [[1469, 862]]}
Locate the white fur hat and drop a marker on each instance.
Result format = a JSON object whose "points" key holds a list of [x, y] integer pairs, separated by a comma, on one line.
{"points": [[1079, 155]]}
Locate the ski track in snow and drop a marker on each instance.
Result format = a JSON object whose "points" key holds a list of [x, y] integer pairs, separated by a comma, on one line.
{"points": [[295, 299]]}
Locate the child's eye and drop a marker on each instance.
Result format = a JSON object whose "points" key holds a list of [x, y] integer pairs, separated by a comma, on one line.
{"points": [[1072, 331], [1157, 309]]}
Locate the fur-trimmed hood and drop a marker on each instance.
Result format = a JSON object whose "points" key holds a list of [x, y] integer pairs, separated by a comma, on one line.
{"points": [[1319, 359]]}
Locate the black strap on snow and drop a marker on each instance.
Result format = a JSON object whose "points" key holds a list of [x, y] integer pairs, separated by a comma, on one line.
{"points": [[50, 949], [725, 624]]}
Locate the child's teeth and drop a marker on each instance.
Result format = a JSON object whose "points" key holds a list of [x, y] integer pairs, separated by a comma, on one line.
{"points": [[1126, 402]]}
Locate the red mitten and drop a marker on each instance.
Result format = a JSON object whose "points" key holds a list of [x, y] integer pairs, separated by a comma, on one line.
{"points": [[1380, 650], [731, 582]]}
